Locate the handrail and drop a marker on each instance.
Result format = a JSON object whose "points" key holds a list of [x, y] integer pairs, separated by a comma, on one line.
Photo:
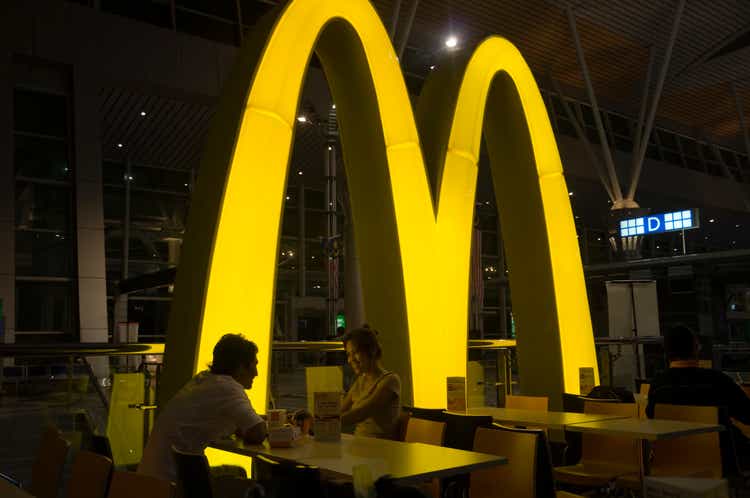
{"points": [[88, 349], [98, 349]]}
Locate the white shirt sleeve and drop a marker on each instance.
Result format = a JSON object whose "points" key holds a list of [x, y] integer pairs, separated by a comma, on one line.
{"points": [[241, 412]]}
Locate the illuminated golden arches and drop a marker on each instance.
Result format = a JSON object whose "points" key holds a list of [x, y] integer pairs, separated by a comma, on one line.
{"points": [[415, 263]]}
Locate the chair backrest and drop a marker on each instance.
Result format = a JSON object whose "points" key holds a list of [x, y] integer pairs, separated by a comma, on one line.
{"points": [[46, 474], [698, 455], [613, 450], [193, 474], [89, 477], [436, 414], [134, 485], [539, 403], [518, 477], [283, 479], [419, 430], [401, 423], [644, 388], [460, 430]]}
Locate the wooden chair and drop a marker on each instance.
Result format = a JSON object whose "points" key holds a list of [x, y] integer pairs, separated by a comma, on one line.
{"points": [[603, 458], [698, 455], [47, 471], [89, 477], [133, 485], [528, 473], [419, 430], [539, 403]]}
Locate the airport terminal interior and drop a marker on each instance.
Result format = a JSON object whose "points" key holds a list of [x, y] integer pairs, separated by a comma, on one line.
{"points": [[119, 127]]}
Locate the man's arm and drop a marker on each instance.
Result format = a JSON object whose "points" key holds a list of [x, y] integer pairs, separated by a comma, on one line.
{"points": [[255, 434]]}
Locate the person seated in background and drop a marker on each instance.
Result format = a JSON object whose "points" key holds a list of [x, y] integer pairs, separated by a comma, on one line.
{"points": [[684, 383], [212, 405], [373, 402]]}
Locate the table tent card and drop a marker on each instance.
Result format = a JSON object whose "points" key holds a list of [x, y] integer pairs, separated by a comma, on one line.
{"points": [[327, 416]]}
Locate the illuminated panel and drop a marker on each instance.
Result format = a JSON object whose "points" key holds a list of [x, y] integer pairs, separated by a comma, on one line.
{"points": [[660, 223], [412, 218]]}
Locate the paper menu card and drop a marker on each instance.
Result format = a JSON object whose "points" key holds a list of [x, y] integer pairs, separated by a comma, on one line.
{"points": [[327, 416]]}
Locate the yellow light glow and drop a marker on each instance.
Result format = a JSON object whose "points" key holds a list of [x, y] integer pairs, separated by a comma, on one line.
{"points": [[413, 239]]}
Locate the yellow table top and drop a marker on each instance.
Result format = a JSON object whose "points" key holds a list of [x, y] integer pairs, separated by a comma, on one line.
{"points": [[405, 462], [538, 418], [646, 429]]}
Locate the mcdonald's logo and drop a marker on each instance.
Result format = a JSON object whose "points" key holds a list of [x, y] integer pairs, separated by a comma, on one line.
{"points": [[412, 192]]}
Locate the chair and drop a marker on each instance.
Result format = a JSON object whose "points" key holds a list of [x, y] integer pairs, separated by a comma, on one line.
{"points": [[460, 430], [643, 389], [419, 430], [434, 414], [131, 484], [539, 403], [603, 458], [47, 471], [89, 477], [698, 455], [193, 474], [285, 479], [528, 473]]}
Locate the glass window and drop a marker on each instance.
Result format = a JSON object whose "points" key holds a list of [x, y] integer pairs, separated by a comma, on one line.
{"points": [[226, 9], [161, 179], [152, 315], [37, 157], [45, 306], [44, 254], [40, 113], [113, 173], [44, 206], [154, 12]]}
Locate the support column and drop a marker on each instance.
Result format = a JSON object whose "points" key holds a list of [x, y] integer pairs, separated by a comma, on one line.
{"points": [[7, 218], [92, 287], [332, 235], [353, 301], [301, 258]]}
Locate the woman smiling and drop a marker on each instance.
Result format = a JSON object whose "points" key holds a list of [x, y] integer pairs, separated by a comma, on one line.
{"points": [[373, 402]]}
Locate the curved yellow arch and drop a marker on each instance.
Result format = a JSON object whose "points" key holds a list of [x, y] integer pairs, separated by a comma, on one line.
{"points": [[414, 250]]}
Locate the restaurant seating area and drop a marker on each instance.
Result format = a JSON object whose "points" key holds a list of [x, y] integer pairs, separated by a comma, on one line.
{"points": [[619, 448]]}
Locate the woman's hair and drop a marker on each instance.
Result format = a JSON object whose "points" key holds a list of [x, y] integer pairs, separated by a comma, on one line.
{"points": [[365, 339], [231, 352]]}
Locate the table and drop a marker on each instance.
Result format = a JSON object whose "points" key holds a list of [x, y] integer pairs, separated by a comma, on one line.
{"points": [[8, 490], [406, 463], [645, 431], [551, 420]]}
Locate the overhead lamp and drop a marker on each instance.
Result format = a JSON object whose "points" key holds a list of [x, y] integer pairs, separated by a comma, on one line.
{"points": [[451, 41], [302, 118], [119, 146], [333, 106], [570, 194], [143, 113], [711, 220], [299, 172], [432, 67]]}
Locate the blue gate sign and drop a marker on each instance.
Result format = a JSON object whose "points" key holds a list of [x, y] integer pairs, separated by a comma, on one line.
{"points": [[660, 223]]}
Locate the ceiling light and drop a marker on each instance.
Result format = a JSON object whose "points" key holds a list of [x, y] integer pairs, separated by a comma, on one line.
{"points": [[737, 225], [288, 197], [432, 67], [570, 194], [711, 220], [143, 113], [299, 172], [302, 118], [451, 41], [333, 106], [119, 146]]}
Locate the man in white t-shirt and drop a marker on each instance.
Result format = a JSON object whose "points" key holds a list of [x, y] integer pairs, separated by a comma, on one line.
{"points": [[212, 405]]}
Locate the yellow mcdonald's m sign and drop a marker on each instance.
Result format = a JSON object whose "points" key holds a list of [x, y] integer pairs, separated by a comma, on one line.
{"points": [[412, 192]]}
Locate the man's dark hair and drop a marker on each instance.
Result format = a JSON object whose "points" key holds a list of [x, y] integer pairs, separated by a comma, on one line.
{"points": [[679, 343], [365, 339], [231, 352]]}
